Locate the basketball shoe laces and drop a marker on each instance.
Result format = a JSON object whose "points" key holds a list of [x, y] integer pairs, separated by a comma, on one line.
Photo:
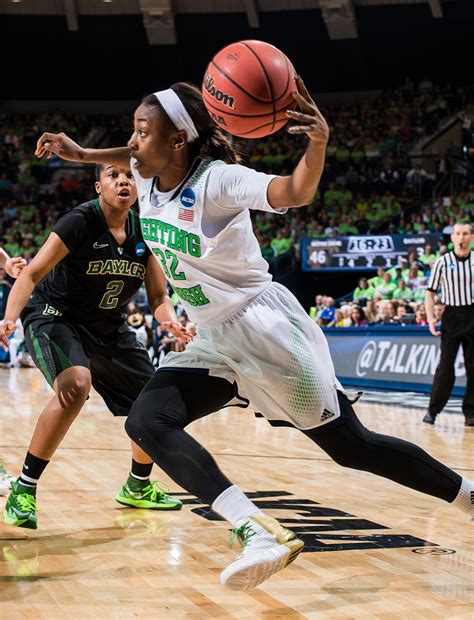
{"points": [[156, 490], [27, 502], [243, 534]]}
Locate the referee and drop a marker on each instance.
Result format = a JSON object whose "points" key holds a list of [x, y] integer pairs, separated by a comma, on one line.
{"points": [[454, 272]]}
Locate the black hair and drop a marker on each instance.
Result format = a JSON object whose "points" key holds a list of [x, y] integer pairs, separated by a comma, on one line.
{"points": [[212, 143], [98, 170]]}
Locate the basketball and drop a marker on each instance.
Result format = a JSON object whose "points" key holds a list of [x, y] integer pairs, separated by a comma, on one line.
{"points": [[248, 87]]}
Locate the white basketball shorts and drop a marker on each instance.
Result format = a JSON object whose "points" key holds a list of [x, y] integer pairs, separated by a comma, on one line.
{"points": [[276, 354]]}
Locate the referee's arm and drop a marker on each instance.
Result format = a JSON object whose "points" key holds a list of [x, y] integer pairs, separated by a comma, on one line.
{"points": [[429, 307]]}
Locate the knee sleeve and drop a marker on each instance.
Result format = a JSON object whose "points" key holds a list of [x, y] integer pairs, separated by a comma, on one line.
{"points": [[154, 413]]}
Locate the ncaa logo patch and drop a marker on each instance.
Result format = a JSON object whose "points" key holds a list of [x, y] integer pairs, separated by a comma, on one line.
{"points": [[187, 198], [140, 249], [452, 266], [186, 208]]}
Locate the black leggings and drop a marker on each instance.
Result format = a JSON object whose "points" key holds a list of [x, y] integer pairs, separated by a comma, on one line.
{"points": [[171, 400]]}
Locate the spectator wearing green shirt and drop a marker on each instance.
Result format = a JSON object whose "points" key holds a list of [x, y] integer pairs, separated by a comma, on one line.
{"points": [[378, 279], [331, 195], [387, 288], [419, 292], [347, 227], [403, 292], [282, 242], [363, 291], [395, 274], [404, 267], [11, 246], [428, 256]]}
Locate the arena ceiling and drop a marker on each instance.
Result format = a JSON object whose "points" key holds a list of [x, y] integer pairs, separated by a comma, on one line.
{"points": [[340, 16]]}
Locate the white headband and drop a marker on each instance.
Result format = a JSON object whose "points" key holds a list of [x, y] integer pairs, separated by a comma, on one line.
{"points": [[178, 114]]}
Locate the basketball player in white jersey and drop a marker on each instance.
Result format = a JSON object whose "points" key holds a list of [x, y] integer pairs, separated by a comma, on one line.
{"points": [[254, 339]]}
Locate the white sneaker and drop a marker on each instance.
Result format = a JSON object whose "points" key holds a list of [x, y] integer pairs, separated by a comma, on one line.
{"points": [[5, 480], [267, 547]]}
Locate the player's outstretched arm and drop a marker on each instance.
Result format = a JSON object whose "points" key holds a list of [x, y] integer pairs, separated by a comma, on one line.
{"points": [[299, 188], [64, 147], [52, 252], [159, 302]]}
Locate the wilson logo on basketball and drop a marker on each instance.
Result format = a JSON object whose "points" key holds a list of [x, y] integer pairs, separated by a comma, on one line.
{"points": [[218, 95]]}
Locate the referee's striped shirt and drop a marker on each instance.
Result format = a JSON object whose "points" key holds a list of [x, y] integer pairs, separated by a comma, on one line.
{"points": [[455, 276]]}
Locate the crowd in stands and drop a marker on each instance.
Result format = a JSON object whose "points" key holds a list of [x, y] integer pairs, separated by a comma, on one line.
{"points": [[391, 297]]}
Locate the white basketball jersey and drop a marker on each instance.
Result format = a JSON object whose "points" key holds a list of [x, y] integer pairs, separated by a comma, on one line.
{"points": [[217, 275]]}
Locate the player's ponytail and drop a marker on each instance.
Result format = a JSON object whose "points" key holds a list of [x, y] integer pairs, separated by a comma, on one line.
{"points": [[211, 143], [218, 146]]}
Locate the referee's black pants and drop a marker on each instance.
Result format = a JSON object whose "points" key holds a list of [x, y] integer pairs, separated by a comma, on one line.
{"points": [[457, 329]]}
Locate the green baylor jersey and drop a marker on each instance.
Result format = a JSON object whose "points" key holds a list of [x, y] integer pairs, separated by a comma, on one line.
{"points": [[96, 280]]}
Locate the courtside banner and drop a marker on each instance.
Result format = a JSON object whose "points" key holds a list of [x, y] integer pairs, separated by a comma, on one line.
{"points": [[389, 357]]}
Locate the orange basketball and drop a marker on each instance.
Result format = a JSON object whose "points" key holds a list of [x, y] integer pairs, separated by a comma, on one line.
{"points": [[247, 89]]}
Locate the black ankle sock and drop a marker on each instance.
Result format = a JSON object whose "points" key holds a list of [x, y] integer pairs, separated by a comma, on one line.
{"points": [[141, 471], [33, 467]]}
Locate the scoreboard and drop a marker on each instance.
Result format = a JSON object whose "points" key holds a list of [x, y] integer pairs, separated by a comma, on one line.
{"points": [[362, 252]]}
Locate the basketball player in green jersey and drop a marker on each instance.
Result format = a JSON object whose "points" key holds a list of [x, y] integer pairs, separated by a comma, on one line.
{"points": [[89, 268], [12, 266]]}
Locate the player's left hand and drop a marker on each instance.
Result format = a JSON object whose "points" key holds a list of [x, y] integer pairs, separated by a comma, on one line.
{"points": [[179, 332], [309, 120], [13, 266]]}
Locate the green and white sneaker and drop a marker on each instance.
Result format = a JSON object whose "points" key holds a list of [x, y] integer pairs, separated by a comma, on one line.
{"points": [[20, 509], [5, 479], [152, 495]]}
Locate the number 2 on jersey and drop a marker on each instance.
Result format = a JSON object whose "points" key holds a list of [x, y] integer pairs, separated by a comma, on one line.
{"points": [[170, 272], [110, 298]]}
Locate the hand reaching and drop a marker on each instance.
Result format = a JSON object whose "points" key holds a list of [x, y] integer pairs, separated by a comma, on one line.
{"points": [[179, 332], [61, 145]]}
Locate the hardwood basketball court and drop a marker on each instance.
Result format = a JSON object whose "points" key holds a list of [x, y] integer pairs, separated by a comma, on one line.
{"points": [[373, 549]]}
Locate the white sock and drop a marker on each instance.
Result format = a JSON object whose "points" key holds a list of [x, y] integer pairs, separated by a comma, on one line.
{"points": [[234, 506], [464, 500]]}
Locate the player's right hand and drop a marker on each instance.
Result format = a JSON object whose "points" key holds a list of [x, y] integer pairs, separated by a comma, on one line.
{"points": [[432, 326], [7, 328], [61, 145]]}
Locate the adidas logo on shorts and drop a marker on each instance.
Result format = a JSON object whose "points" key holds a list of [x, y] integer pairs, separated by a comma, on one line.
{"points": [[326, 415]]}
